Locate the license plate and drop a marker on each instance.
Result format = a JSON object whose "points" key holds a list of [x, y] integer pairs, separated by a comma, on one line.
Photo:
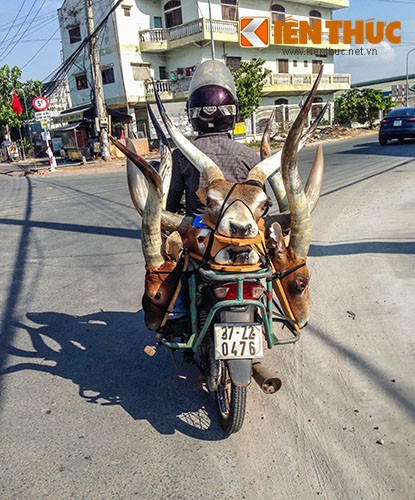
{"points": [[238, 340], [397, 123]]}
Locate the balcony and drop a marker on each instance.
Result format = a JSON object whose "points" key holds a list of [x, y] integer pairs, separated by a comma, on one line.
{"points": [[172, 90], [292, 83], [198, 31]]}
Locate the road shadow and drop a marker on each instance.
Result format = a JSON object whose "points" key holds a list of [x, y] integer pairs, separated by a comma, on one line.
{"points": [[102, 353], [361, 247]]}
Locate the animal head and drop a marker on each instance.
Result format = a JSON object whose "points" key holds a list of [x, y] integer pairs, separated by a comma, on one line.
{"points": [[295, 274]]}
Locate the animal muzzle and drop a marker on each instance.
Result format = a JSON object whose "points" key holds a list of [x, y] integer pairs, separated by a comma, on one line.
{"points": [[236, 255]]}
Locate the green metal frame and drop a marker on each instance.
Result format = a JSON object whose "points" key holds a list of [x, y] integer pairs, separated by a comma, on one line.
{"points": [[268, 318]]}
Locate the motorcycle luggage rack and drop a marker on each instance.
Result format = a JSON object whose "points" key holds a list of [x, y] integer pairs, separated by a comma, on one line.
{"points": [[265, 305]]}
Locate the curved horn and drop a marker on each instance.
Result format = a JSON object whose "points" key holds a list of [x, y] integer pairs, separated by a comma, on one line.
{"points": [[137, 184], [266, 137], [202, 162], [269, 165], [138, 187], [299, 212], [166, 162], [151, 239], [315, 179]]}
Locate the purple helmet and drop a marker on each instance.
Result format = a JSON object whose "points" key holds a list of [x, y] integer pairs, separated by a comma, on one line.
{"points": [[212, 104]]}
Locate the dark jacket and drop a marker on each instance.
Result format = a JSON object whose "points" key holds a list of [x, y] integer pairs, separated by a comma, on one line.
{"points": [[234, 159]]}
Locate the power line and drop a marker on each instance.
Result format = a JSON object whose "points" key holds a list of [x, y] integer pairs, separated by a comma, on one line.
{"points": [[18, 31], [29, 25], [37, 52], [59, 73], [13, 23]]}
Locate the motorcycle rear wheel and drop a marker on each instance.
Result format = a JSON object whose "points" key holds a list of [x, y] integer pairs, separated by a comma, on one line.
{"points": [[230, 402]]}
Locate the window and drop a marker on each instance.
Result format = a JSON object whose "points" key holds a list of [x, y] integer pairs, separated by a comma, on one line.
{"points": [[278, 13], [305, 64], [295, 64], [157, 22], [173, 13], [282, 65], [107, 76], [127, 10], [163, 73], [229, 10], [74, 34], [81, 81], [314, 14], [233, 62], [278, 102]]}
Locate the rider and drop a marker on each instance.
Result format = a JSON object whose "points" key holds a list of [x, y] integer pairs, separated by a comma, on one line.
{"points": [[212, 109]]}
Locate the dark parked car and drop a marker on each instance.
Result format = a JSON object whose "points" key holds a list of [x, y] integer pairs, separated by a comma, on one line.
{"points": [[398, 124]]}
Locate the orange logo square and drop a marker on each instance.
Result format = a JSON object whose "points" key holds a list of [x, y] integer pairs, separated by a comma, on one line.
{"points": [[254, 32]]}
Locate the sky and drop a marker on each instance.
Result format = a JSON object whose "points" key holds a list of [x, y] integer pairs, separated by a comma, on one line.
{"points": [[30, 38]]}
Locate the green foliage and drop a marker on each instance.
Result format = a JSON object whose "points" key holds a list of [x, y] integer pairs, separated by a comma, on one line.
{"points": [[361, 105], [10, 82], [250, 79]]}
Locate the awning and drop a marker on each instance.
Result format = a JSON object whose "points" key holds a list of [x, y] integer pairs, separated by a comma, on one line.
{"points": [[119, 116], [77, 109], [66, 128]]}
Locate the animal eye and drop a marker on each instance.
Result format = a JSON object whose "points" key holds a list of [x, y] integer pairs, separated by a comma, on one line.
{"points": [[157, 296], [298, 285]]}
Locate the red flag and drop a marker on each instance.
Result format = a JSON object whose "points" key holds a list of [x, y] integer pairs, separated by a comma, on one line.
{"points": [[16, 106]]}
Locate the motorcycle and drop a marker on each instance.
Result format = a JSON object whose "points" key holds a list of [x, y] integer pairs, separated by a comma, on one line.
{"points": [[232, 314]]}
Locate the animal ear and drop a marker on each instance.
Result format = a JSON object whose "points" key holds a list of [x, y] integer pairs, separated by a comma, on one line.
{"points": [[276, 238], [174, 246], [201, 194]]}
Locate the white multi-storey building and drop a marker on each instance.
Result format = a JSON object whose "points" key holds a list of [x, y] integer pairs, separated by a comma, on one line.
{"points": [[163, 40]]}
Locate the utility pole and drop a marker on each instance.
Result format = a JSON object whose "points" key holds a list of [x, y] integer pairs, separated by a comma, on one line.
{"points": [[101, 112]]}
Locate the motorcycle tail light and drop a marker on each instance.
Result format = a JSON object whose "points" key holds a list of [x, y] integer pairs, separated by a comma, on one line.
{"points": [[228, 291], [253, 291], [225, 292]]}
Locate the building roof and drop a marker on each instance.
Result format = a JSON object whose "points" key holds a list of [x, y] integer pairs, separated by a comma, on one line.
{"points": [[383, 80]]}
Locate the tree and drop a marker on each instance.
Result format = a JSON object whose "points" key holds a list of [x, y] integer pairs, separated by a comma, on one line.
{"points": [[250, 79], [361, 105], [10, 82]]}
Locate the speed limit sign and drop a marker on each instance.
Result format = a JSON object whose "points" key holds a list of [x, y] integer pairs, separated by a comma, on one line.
{"points": [[40, 103]]}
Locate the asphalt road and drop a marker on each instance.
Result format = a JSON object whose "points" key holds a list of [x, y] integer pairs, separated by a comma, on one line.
{"points": [[85, 414]]}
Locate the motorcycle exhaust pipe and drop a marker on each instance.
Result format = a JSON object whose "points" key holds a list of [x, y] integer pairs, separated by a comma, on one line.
{"points": [[266, 378]]}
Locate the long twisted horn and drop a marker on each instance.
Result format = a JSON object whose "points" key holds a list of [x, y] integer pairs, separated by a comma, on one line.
{"points": [[202, 162], [270, 164], [151, 240], [300, 237]]}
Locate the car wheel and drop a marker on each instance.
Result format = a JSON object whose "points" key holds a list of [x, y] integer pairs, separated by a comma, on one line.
{"points": [[383, 141]]}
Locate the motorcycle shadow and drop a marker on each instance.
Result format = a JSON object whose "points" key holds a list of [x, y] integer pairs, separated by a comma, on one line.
{"points": [[102, 353]]}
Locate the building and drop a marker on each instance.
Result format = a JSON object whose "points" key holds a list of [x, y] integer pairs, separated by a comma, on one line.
{"points": [[395, 86], [150, 42]]}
